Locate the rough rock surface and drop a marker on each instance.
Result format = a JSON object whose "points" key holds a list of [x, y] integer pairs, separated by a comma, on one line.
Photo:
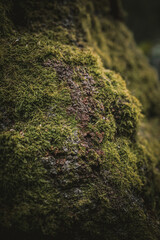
{"points": [[78, 161]]}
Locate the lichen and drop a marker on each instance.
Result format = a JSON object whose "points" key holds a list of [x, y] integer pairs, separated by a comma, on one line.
{"points": [[76, 159]]}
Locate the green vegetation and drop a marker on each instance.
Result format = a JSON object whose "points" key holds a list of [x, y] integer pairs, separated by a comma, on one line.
{"points": [[115, 45], [77, 159]]}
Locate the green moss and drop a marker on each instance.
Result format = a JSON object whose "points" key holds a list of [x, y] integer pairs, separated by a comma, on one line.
{"points": [[115, 45], [74, 159]]}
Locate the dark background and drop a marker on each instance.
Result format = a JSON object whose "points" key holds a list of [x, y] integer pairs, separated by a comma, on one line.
{"points": [[143, 18]]}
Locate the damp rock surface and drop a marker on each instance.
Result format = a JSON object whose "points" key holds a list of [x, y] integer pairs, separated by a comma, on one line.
{"points": [[78, 160]]}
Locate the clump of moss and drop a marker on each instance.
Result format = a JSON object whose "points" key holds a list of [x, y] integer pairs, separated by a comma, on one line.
{"points": [[115, 44], [74, 163]]}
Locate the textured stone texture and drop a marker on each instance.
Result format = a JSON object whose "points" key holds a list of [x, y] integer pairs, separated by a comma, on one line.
{"points": [[78, 161]]}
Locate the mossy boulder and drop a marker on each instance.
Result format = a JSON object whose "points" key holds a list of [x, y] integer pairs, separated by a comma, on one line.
{"points": [[76, 163]]}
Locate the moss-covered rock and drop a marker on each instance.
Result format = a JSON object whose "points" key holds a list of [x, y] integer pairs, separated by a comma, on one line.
{"points": [[76, 159], [115, 44]]}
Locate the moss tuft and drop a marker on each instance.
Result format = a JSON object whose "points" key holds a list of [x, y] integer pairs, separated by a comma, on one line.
{"points": [[76, 157]]}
